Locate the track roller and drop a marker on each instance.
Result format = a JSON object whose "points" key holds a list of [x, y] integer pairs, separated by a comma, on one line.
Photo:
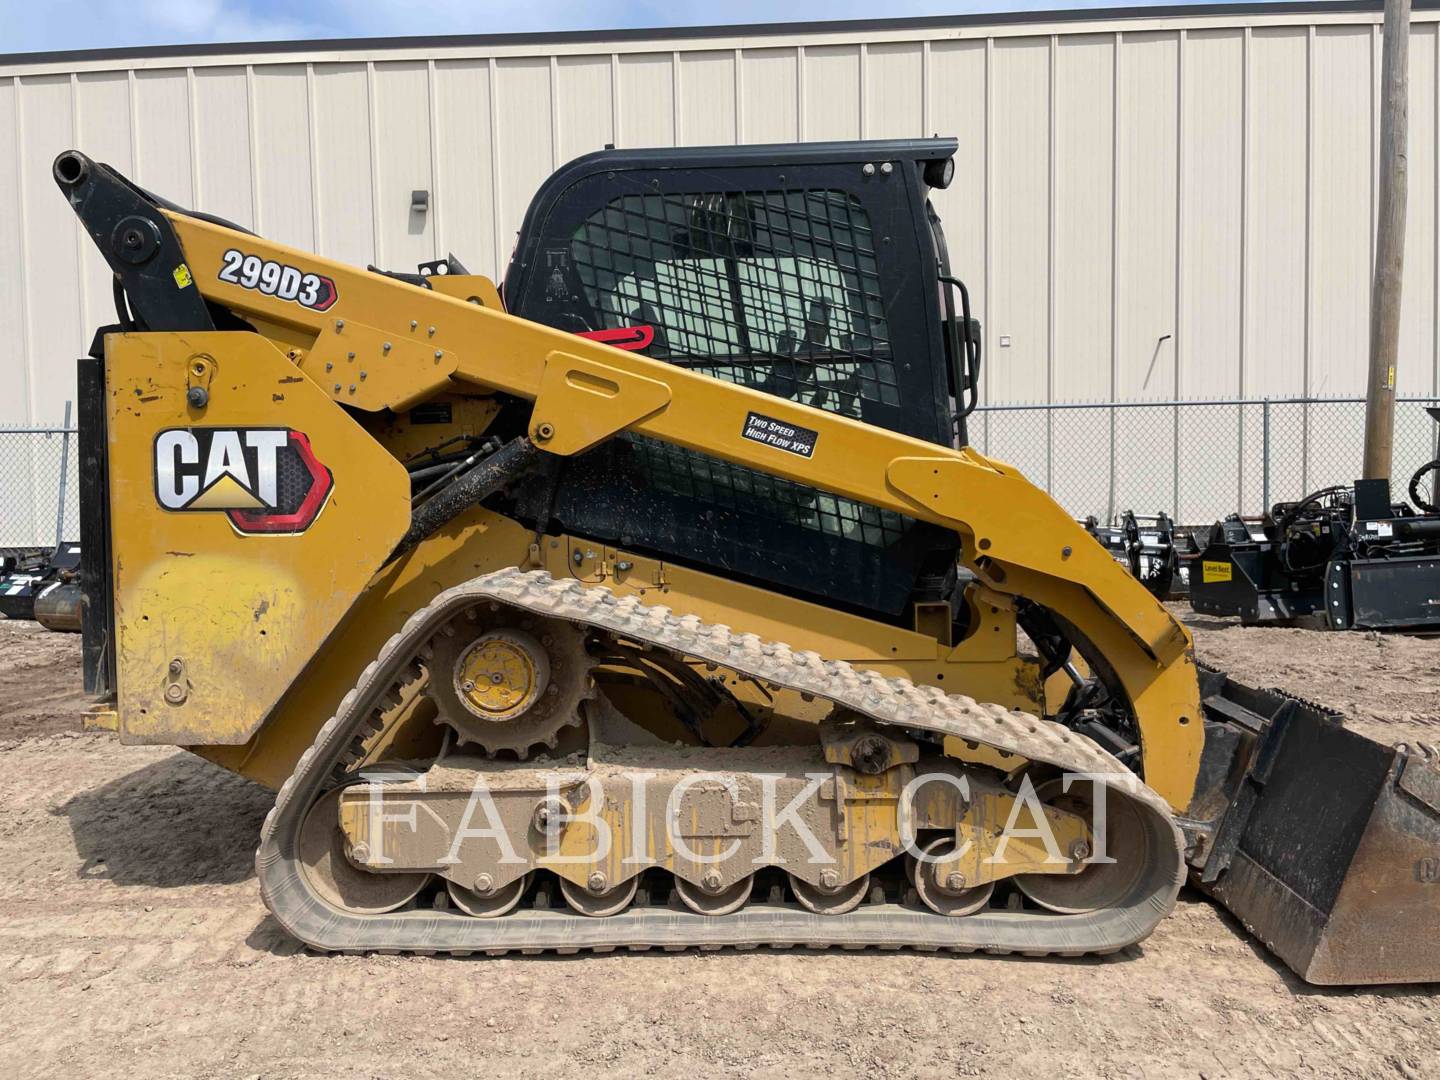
{"points": [[835, 900], [491, 904], [947, 897], [602, 904], [722, 901]]}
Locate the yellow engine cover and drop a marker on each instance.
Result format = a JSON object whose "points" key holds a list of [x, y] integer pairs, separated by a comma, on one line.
{"points": [[248, 511]]}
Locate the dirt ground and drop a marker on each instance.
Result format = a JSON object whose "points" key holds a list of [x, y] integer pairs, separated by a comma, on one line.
{"points": [[133, 940], [1387, 685]]}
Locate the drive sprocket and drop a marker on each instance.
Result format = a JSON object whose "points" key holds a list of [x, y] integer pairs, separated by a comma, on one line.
{"points": [[508, 681]]}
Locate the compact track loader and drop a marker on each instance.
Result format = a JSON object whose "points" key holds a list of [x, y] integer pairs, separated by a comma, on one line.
{"points": [[665, 605]]}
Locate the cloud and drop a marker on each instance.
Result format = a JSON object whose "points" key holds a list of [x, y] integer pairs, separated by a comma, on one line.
{"points": [[100, 24], [213, 20], [45, 25]]}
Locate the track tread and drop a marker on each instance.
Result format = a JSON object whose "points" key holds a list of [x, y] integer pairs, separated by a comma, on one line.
{"points": [[893, 701]]}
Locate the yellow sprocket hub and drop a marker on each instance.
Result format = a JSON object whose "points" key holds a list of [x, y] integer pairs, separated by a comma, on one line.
{"points": [[502, 674], [507, 681]]}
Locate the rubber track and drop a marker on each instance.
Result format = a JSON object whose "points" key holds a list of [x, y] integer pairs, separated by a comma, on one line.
{"points": [[890, 701]]}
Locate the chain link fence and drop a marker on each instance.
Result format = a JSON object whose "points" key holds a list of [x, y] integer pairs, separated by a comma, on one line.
{"points": [[39, 501], [1197, 460], [1194, 460]]}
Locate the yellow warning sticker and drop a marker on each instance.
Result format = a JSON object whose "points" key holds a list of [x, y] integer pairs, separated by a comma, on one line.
{"points": [[1214, 571], [183, 279]]}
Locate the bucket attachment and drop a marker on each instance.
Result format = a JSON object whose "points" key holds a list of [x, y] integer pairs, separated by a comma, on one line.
{"points": [[1324, 843]]}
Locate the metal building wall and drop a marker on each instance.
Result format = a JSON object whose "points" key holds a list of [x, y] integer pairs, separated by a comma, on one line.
{"points": [[1145, 208]]}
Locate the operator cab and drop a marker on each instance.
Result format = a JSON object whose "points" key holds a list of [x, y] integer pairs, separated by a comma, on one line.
{"points": [[814, 272]]}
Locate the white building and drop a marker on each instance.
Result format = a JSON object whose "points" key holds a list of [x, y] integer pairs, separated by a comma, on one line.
{"points": [[1149, 205]]}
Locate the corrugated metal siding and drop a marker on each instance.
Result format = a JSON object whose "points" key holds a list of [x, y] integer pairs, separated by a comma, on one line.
{"points": [[1144, 209]]}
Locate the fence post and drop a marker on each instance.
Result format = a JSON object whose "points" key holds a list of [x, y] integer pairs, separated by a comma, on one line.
{"points": [[1110, 499], [1050, 452], [1175, 465], [1265, 456], [1240, 455], [64, 469]]}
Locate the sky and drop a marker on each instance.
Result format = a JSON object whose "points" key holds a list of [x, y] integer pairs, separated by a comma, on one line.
{"points": [[46, 25]]}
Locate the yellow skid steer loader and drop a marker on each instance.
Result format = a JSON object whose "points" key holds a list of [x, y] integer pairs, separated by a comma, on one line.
{"points": [[664, 603]]}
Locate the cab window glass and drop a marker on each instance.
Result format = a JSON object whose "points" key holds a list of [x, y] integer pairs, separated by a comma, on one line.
{"points": [[775, 290]]}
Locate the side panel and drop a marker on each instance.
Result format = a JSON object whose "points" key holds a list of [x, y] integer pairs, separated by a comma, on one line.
{"points": [[984, 665], [832, 87], [1018, 330], [769, 75], [1389, 594], [709, 101], [344, 184], [647, 87], [284, 204], [242, 531], [403, 164]]}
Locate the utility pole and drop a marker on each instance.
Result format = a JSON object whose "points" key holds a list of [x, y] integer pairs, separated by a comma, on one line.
{"points": [[1389, 242]]}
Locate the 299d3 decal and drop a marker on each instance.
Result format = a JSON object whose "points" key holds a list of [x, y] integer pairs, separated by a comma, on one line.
{"points": [[314, 291], [267, 481]]}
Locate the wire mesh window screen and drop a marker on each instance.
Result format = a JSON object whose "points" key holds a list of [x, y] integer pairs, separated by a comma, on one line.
{"points": [[775, 290], [756, 494]]}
